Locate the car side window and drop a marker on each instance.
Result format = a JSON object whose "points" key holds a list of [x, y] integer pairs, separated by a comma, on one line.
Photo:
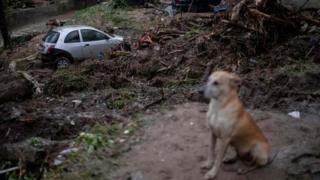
{"points": [[92, 35], [72, 37]]}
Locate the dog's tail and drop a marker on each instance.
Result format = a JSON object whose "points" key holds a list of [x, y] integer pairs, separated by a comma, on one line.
{"points": [[240, 171]]}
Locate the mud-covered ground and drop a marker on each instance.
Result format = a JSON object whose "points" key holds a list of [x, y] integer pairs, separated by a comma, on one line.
{"points": [[176, 144], [278, 76]]}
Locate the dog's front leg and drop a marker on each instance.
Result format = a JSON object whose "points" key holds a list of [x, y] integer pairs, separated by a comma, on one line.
{"points": [[221, 148], [209, 162]]}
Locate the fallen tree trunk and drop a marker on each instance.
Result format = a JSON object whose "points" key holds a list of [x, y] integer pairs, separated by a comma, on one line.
{"points": [[28, 77], [37, 86]]}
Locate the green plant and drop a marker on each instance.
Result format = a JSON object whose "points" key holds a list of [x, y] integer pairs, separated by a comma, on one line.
{"points": [[15, 176], [117, 104], [65, 81], [100, 135], [298, 69], [106, 129], [124, 97], [194, 31], [117, 18], [103, 14], [91, 141], [119, 3], [36, 142]]}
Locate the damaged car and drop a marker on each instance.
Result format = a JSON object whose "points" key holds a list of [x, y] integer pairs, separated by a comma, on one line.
{"points": [[64, 45]]}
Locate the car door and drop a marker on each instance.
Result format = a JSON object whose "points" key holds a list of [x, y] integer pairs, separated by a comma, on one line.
{"points": [[72, 44], [95, 44]]}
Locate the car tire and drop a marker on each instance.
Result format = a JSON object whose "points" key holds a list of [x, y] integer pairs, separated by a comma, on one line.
{"points": [[62, 62], [194, 8]]}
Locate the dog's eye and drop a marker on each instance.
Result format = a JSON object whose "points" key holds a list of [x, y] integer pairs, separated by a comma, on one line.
{"points": [[216, 83]]}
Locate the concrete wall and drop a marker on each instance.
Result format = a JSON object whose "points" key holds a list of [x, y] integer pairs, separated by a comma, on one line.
{"points": [[22, 17]]}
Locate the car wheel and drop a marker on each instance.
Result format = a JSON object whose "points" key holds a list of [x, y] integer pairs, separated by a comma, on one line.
{"points": [[194, 8], [62, 62]]}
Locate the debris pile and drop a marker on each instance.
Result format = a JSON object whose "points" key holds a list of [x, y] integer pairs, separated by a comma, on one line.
{"points": [[14, 87], [269, 18]]}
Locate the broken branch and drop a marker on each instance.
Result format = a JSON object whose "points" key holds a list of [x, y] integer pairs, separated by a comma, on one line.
{"points": [[176, 51], [256, 12], [9, 170], [309, 19], [240, 26]]}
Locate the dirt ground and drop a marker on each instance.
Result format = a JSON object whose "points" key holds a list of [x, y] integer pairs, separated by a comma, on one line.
{"points": [[176, 144]]}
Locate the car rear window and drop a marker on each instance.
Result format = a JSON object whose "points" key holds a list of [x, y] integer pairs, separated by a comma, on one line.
{"points": [[51, 37]]}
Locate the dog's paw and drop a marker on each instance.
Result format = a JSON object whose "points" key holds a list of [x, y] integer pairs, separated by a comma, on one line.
{"points": [[206, 165], [230, 159], [210, 175]]}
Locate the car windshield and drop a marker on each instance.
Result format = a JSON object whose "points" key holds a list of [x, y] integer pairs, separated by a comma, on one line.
{"points": [[51, 37], [111, 35]]}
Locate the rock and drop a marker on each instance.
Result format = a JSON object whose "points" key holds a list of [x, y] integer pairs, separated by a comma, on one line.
{"points": [[72, 122], [69, 150], [136, 175], [76, 103], [88, 115], [9, 111], [294, 114], [15, 113], [61, 157]]}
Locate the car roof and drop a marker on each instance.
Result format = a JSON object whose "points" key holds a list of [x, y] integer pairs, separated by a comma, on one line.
{"points": [[69, 28]]}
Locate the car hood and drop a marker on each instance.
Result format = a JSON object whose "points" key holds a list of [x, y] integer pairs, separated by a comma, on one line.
{"points": [[116, 37]]}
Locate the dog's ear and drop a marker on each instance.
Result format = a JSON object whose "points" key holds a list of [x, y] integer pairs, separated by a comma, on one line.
{"points": [[235, 80]]}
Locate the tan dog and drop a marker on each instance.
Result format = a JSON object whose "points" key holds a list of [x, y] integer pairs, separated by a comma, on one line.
{"points": [[230, 123]]}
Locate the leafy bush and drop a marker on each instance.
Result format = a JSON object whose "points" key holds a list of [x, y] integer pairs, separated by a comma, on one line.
{"points": [[102, 14], [92, 141], [65, 81]]}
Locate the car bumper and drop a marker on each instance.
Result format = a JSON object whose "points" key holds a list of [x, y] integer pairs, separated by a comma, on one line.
{"points": [[182, 5], [47, 59]]}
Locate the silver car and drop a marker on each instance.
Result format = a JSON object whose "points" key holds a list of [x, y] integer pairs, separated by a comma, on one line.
{"points": [[66, 44]]}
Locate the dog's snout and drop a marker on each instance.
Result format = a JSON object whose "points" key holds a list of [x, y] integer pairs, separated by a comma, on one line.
{"points": [[201, 90]]}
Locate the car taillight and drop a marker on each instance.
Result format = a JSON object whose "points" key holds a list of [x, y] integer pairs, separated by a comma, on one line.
{"points": [[50, 49]]}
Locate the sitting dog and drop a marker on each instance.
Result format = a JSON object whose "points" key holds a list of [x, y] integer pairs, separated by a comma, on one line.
{"points": [[231, 124]]}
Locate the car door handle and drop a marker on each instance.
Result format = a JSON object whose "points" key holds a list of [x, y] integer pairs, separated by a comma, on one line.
{"points": [[86, 45]]}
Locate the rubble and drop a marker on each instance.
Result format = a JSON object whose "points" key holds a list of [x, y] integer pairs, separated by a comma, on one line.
{"points": [[14, 87], [32, 150]]}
